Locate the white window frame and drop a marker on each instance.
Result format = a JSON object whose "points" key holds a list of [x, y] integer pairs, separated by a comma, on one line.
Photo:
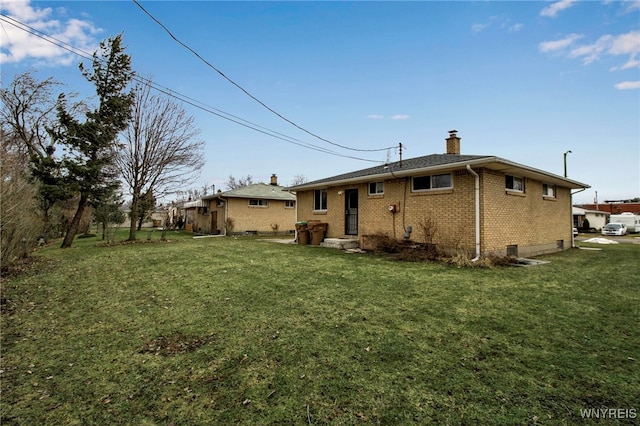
{"points": [[289, 204], [258, 202], [432, 179], [378, 188], [318, 199], [548, 190], [514, 180]]}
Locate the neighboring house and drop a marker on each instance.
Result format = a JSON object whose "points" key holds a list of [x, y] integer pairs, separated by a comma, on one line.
{"points": [[158, 217], [614, 207], [472, 203], [596, 218], [259, 208]]}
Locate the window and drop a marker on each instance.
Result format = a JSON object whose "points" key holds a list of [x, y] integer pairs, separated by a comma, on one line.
{"points": [[320, 199], [548, 190], [376, 188], [514, 183], [425, 183], [289, 204], [258, 203]]}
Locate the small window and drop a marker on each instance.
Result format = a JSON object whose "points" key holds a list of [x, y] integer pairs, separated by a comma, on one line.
{"points": [[514, 183], [258, 203], [320, 199], [424, 183], [548, 190], [376, 188], [289, 204]]}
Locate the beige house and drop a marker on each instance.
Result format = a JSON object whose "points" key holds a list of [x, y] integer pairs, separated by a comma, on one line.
{"points": [[595, 218], [255, 209], [472, 203]]}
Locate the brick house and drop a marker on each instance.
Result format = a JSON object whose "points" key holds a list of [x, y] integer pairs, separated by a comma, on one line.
{"points": [[257, 209], [474, 203]]}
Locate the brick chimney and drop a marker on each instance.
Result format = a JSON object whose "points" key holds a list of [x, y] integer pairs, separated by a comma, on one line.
{"points": [[453, 143], [274, 180]]}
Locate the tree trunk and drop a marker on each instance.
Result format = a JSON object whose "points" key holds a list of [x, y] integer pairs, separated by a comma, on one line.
{"points": [[75, 223], [134, 218]]}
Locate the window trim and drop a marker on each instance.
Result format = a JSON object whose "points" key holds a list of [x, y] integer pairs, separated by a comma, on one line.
{"points": [[514, 177], [431, 181], [320, 204], [378, 185], [289, 204], [548, 186], [260, 202]]}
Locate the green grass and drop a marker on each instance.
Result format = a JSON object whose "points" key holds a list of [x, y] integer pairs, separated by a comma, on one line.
{"points": [[243, 331]]}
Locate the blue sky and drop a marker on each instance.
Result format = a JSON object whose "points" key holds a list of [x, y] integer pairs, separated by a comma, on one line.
{"points": [[526, 81]]}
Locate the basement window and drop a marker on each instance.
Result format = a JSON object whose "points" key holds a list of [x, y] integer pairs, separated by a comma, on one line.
{"points": [[376, 188], [258, 203], [514, 183], [426, 183], [320, 199]]}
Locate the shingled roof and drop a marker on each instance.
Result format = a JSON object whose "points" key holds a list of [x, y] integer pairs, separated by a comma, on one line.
{"points": [[435, 163], [256, 191]]}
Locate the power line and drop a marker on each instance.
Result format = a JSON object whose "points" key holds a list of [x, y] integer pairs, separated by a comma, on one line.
{"points": [[183, 98], [246, 91]]}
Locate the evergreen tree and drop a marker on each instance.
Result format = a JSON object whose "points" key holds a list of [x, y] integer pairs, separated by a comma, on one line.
{"points": [[91, 145]]}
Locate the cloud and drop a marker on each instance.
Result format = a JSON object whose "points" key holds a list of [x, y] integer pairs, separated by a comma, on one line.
{"points": [[628, 85], [18, 44], [500, 22], [551, 46], [632, 5], [555, 8], [400, 117], [375, 116], [631, 63], [620, 45]]}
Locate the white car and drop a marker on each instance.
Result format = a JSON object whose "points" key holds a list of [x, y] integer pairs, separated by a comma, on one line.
{"points": [[614, 229]]}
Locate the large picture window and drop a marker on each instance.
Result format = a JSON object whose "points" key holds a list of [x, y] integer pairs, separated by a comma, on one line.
{"points": [[320, 199], [426, 183], [514, 183]]}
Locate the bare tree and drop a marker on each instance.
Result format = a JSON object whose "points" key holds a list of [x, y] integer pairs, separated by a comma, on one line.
{"points": [[234, 183], [298, 180], [27, 116], [161, 150]]}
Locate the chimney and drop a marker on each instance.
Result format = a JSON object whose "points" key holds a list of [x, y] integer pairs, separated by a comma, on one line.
{"points": [[274, 180], [453, 143]]}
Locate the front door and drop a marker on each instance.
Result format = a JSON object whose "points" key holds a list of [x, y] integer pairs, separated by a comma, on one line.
{"points": [[351, 212]]}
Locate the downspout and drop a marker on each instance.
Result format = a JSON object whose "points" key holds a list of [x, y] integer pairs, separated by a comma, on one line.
{"points": [[477, 208], [224, 225], [571, 194]]}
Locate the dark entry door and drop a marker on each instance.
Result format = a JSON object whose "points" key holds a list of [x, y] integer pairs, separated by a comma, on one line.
{"points": [[214, 222], [351, 212]]}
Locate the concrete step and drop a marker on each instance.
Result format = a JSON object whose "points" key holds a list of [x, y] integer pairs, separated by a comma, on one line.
{"points": [[340, 243]]}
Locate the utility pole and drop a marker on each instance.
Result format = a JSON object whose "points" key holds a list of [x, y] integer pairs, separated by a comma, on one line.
{"points": [[565, 162]]}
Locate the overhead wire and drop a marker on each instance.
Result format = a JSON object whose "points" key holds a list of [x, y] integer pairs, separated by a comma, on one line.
{"points": [[245, 91], [183, 98]]}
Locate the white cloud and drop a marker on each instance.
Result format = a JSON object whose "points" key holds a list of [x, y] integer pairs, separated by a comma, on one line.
{"points": [[631, 63], [592, 52], [498, 21], [556, 7], [400, 117], [632, 5], [628, 85], [18, 44], [375, 116], [626, 44], [551, 46]]}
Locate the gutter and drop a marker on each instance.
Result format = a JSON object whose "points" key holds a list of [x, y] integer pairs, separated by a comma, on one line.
{"points": [[477, 209]]}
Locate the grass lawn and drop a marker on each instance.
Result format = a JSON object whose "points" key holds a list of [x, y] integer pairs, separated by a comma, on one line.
{"points": [[244, 331]]}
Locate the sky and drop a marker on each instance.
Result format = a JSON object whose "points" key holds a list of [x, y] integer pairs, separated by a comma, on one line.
{"points": [[317, 89]]}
